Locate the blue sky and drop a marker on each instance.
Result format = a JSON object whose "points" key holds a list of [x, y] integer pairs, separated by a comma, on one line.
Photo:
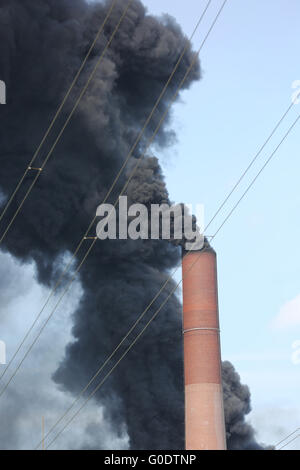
{"points": [[249, 64]]}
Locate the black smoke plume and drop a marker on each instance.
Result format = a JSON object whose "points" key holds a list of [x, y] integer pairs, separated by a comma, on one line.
{"points": [[42, 44]]}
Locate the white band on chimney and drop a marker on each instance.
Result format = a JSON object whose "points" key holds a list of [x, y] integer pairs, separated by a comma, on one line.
{"points": [[197, 329]]}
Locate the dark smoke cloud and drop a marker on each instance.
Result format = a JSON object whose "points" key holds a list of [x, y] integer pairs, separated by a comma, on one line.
{"points": [[42, 45]]}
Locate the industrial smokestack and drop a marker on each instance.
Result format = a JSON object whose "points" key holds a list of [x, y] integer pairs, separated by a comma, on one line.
{"points": [[204, 411]]}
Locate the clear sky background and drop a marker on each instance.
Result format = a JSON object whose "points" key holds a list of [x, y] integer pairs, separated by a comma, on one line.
{"points": [[249, 64]]}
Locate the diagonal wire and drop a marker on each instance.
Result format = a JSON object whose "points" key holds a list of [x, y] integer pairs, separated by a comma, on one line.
{"points": [[58, 110], [39, 170], [167, 281], [110, 190], [257, 176]]}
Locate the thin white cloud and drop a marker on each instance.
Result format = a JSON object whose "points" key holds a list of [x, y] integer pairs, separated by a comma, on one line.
{"points": [[289, 314]]}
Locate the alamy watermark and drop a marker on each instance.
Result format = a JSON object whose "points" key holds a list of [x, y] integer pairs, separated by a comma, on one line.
{"points": [[2, 92], [156, 222], [2, 353], [296, 94], [296, 354]]}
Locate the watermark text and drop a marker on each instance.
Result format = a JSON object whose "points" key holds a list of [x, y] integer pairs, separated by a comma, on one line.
{"points": [[157, 222]]}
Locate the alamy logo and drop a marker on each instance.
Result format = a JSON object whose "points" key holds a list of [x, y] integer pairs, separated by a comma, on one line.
{"points": [[296, 94], [2, 92], [2, 353], [159, 222], [296, 353]]}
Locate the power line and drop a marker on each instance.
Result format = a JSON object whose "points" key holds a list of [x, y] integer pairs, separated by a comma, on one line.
{"points": [[58, 111], [39, 170], [257, 176], [113, 184], [291, 434], [159, 309]]}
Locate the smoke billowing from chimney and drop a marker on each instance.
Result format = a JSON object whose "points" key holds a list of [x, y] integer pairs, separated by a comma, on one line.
{"points": [[42, 47]]}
